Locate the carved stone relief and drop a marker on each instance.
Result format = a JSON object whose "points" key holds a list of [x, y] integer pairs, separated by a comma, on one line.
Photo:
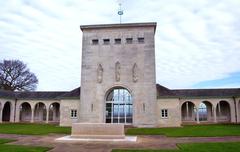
{"points": [[134, 73], [117, 71], [99, 73]]}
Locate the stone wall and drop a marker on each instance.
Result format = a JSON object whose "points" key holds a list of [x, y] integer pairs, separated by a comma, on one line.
{"points": [[65, 111], [143, 90], [174, 112]]}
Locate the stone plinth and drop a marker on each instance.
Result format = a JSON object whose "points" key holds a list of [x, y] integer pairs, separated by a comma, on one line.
{"points": [[98, 131]]}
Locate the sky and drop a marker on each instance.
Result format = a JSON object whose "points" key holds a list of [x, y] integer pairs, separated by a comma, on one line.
{"points": [[197, 41]]}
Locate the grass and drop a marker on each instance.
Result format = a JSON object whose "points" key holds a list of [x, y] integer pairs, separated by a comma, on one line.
{"points": [[19, 148], [190, 131], [195, 147], [32, 129]]}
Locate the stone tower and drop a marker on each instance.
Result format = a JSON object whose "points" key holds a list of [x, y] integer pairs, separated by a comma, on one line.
{"points": [[118, 56]]}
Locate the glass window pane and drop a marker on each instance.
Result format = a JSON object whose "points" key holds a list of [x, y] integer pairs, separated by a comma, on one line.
{"points": [[119, 106]]}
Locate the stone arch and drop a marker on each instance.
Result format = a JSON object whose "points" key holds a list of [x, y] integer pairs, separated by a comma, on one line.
{"points": [[223, 111], [54, 112], [40, 112], [107, 90], [205, 111], [6, 111], [25, 112], [119, 106], [188, 111]]}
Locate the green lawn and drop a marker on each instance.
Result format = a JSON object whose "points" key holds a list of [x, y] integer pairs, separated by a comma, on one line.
{"points": [[190, 131], [19, 148], [196, 147], [32, 129]]}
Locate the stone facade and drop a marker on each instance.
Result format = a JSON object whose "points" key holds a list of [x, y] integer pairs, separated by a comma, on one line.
{"points": [[66, 106], [174, 113], [118, 60]]}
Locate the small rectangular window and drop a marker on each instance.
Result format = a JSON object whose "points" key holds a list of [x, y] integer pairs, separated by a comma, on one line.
{"points": [[129, 40], [164, 113], [117, 41], [94, 41], [73, 113], [106, 41], [141, 40]]}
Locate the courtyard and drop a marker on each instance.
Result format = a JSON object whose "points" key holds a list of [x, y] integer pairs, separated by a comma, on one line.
{"points": [[41, 137]]}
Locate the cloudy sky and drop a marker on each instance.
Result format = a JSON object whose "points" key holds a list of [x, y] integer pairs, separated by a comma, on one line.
{"points": [[197, 42]]}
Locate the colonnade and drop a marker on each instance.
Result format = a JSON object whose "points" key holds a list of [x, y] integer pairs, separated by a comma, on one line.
{"points": [[29, 112], [207, 111]]}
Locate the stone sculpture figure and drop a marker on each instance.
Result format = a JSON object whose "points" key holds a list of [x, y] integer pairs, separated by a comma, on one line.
{"points": [[134, 73], [99, 73], [117, 71]]}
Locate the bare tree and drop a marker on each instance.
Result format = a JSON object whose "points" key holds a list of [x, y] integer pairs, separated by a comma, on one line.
{"points": [[15, 76]]}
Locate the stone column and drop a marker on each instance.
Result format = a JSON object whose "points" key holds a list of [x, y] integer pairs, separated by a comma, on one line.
{"points": [[197, 116], [32, 115], [187, 111], [47, 115], [214, 114], [54, 112], [12, 111], [237, 111], [193, 114], [219, 111], [18, 110], [0, 115]]}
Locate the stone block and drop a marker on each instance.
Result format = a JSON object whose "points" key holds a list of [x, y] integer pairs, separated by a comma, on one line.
{"points": [[98, 131]]}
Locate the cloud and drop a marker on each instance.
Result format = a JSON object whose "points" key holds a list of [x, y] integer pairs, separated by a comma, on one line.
{"points": [[196, 41]]}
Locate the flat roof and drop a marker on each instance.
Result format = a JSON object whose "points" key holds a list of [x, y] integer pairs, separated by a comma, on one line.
{"points": [[122, 25]]}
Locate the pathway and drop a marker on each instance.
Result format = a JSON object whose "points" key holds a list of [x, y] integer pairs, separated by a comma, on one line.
{"points": [[145, 142]]}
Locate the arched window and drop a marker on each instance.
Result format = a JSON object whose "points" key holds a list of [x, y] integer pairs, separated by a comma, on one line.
{"points": [[119, 106]]}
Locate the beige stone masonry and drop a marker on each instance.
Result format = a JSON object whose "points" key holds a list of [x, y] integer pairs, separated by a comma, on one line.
{"points": [[98, 130]]}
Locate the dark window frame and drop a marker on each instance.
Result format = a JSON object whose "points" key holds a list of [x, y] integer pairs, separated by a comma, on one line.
{"points": [[73, 113], [117, 41], [129, 40], [106, 41], [141, 40], [95, 41], [164, 113]]}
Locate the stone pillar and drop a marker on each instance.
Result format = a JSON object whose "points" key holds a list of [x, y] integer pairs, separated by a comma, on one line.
{"points": [[214, 114], [32, 116], [187, 111], [197, 116], [219, 111], [54, 112], [47, 115], [237, 111], [193, 115], [17, 116], [12, 111], [0, 115]]}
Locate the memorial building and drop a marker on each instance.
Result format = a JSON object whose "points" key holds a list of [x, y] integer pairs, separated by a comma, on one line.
{"points": [[118, 85]]}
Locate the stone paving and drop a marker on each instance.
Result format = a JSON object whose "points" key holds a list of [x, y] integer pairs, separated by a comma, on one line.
{"points": [[144, 142]]}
